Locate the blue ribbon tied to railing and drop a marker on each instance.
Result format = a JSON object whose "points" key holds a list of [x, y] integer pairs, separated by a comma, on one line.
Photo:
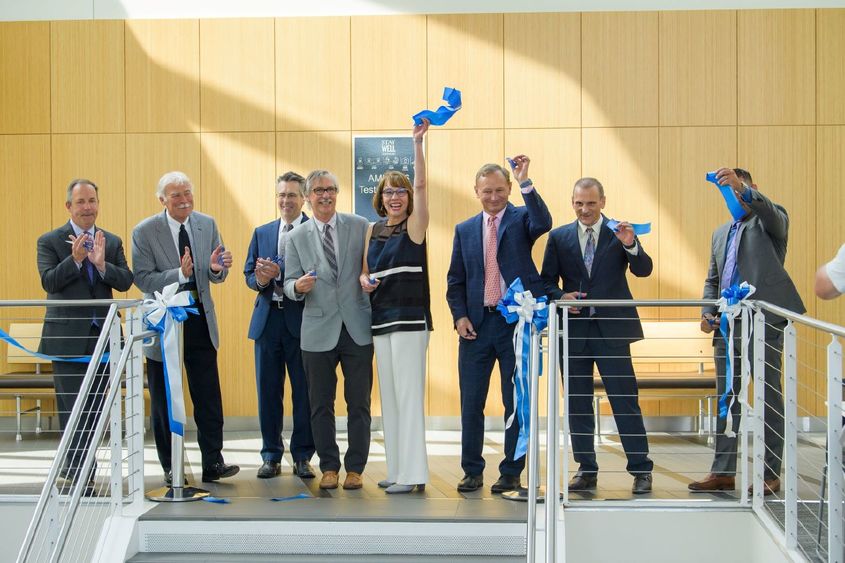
{"points": [[730, 306], [452, 97], [736, 208], [519, 306], [165, 314], [7, 338]]}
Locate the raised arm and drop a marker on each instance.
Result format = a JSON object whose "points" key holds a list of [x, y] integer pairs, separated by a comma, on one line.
{"points": [[418, 221]]}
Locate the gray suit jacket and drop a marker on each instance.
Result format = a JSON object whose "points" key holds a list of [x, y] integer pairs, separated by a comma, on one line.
{"points": [[761, 254], [156, 263], [330, 303]]}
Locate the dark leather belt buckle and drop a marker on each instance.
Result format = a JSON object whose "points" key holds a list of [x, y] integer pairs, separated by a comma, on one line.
{"points": [[279, 304]]}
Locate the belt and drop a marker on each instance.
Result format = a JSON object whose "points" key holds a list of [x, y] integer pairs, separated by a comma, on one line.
{"points": [[491, 309], [278, 304]]}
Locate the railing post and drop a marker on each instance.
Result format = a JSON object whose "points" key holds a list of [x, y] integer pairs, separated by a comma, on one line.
{"points": [[836, 478], [533, 442], [745, 413], [116, 426], [790, 393], [759, 422], [552, 439], [564, 365], [135, 409]]}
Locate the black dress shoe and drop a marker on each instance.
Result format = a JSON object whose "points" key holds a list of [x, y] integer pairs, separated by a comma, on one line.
{"points": [[269, 469], [218, 471], [168, 478], [505, 483], [303, 469], [583, 482], [470, 483], [642, 484]]}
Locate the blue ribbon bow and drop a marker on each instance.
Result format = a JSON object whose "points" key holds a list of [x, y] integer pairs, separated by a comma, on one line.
{"points": [[729, 307], [452, 97], [736, 209], [530, 314]]}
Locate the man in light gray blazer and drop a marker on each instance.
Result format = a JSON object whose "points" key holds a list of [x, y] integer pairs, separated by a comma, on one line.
{"points": [[184, 246], [751, 249], [323, 260]]}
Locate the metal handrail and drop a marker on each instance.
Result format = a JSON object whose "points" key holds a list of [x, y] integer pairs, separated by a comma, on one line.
{"points": [[121, 303], [799, 318]]}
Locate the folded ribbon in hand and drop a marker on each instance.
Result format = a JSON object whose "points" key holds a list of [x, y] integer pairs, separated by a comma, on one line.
{"points": [[452, 97], [736, 208], [639, 228]]}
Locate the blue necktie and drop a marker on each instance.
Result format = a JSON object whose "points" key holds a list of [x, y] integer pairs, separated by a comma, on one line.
{"points": [[729, 271], [89, 267]]}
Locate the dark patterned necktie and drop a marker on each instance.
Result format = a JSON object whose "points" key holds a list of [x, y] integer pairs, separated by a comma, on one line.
{"points": [[89, 267], [328, 249], [278, 288], [589, 251]]}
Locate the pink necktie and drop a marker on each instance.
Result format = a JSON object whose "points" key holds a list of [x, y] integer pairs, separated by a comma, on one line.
{"points": [[492, 287]]}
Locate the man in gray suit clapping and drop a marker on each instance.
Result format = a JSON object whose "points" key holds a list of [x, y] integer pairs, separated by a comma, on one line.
{"points": [[323, 260]]}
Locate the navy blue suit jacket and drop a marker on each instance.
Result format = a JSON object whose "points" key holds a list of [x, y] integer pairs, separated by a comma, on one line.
{"points": [[519, 229], [264, 244], [564, 261]]}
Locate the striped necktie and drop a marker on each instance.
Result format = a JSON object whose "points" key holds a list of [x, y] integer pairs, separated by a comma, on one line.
{"points": [[328, 249]]}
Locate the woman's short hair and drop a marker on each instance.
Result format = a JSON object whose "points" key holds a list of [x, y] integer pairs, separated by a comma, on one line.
{"points": [[394, 179]]}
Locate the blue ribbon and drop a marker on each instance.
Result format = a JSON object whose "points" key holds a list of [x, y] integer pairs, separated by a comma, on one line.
{"points": [[733, 295], [639, 228], [452, 97], [4, 336], [294, 497], [519, 306], [180, 315], [736, 209], [216, 500]]}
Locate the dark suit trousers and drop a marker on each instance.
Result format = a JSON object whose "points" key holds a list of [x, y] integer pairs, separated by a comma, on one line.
{"points": [[724, 462], [67, 378], [275, 349], [200, 359], [475, 364], [617, 373], [357, 365]]}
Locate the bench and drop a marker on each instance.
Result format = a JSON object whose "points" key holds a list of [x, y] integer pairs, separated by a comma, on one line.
{"points": [[26, 375], [674, 355]]}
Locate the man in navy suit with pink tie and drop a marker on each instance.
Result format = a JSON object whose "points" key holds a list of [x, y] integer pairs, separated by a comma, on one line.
{"points": [[489, 252], [275, 327]]}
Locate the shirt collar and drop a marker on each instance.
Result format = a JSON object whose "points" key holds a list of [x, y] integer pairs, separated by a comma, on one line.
{"points": [[322, 226], [295, 222], [582, 229], [77, 230], [498, 215], [174, 224]]}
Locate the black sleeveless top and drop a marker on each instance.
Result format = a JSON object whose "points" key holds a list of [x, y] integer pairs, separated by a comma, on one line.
{"points": [[402, 300]]}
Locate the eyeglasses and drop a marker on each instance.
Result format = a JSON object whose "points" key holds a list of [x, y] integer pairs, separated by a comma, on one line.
{"points": [[388, 193], [284, 195], [331, 190]]}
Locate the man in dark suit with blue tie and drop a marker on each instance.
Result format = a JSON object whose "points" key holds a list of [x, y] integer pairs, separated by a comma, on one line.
{"points": [[592, 261], [489, 252], [79, 261], [275, 328]]}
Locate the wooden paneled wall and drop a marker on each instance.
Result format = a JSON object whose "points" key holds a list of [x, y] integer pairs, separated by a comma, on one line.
{"points": [[647, 102]]}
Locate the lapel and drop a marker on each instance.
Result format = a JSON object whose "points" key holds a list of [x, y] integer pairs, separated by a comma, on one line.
{"points": [[317, 242], [603, 239], [573, 248], [342, 240], [720, 242], [164, 238], [477, 232], [507, 219], [272, 241], [198, 244]]}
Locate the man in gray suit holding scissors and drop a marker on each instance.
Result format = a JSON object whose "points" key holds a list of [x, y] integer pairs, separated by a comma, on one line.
{"points": [[182, 245], [323, 260], [751, 249]]}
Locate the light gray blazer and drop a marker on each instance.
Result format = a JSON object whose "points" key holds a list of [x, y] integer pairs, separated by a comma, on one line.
{"points": [[330, 303], [762, 251], [156, 263]]}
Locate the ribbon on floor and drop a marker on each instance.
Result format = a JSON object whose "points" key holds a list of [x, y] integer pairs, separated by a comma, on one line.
{"points": [[530, 314], [5, 337], [639, 228], [294, 497], [452, 97], [216, 500], [736, 208], [165, 314], [730, 307]]}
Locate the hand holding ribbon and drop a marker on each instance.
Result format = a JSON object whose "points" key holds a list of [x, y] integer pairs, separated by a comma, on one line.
{"points": [[730, 307], [164, 314], [734, 206], [530, 315]]}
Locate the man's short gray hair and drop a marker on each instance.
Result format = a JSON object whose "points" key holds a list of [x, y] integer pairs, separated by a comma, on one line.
{"points": [[292, 176], [172, 178], [81, 182], [588, 182], [492, 169], [314, 176]]}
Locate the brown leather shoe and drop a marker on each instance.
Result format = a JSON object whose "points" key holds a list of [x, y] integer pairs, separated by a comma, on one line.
{"points": [[353, 481], [328, 480], [770, 487], [713, 482]]}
